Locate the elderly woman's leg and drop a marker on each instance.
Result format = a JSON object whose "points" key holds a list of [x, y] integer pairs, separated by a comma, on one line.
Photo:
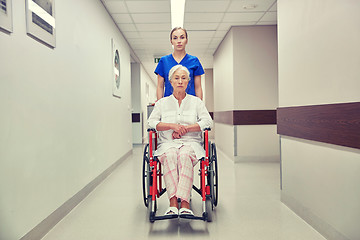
{"points": [[171, 177], [186, 162]]}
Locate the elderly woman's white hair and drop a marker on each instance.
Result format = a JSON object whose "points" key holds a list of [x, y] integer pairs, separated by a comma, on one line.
{"points": [[178, 67]]}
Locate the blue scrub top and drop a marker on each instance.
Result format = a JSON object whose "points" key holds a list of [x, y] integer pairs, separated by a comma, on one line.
{"points": [[192, 63]]}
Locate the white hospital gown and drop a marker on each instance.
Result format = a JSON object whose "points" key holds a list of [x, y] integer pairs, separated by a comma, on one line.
{"points": [[192, 110]]}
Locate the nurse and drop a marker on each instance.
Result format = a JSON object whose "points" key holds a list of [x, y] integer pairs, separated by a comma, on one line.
{"points": [[179, 39]]}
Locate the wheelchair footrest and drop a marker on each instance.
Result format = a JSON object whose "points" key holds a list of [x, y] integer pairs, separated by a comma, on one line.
{"points": [[165, 217], [192, 217]]}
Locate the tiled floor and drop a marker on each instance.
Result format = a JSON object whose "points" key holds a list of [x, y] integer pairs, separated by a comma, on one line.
{"points": [[249, 208]]}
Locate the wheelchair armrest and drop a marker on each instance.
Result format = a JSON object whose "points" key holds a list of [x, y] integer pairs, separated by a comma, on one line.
{"points": [[154, 130]]}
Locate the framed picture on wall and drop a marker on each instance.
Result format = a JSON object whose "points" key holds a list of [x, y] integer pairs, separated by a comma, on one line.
{"points": [[6, 16], [40, 21], [116, 68]]}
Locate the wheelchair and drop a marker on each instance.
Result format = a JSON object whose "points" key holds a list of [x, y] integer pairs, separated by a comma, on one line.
{"points": [[152, 180]]}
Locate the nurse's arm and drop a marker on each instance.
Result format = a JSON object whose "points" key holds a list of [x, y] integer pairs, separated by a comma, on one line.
{"points": [[160, 87], [198, 88]]}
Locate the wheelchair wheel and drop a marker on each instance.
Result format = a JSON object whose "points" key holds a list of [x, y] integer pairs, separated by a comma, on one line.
{"points": [[147, 182], [215, 185], [213, 175], [209, 210], [150, 213], [146, 176]]}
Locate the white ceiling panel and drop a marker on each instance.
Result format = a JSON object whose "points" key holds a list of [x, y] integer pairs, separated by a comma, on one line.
{"points": [[200, 34], [201, 26], [153, 27], [148, 6], [245, 17], [137, 41], [196, 52], [203, 17], [156, 34], [203, 43], [210, 50], [227, 26], [219, 34], [142, 53], [273, 8], [269, 16], [151, 17], [122, 18], [155, 43], [206, 6], [131, 35], [137, 47], [127, 27], [240, 6], [116, 7], [199, 47]]}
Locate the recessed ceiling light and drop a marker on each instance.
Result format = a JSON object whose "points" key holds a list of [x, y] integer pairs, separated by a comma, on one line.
{"points": [[249, 6]]}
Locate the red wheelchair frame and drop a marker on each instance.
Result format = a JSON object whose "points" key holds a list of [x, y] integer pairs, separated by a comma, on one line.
{"points": [[152, 179]]}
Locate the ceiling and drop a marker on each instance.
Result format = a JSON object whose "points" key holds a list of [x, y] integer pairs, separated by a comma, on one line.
{"points": [[146, 25]]}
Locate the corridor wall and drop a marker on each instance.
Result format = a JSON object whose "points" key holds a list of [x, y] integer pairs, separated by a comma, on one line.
{"points": [[61, 127], [148, 96], [136, 103], [245, 93], [208, 98], [223, 82], [319, 57], [143, 90]]}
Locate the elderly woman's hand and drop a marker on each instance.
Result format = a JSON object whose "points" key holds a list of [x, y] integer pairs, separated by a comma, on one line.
{"points": [[175, 135], [179, 129]]}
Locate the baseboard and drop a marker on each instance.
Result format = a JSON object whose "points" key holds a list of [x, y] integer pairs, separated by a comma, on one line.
{"points": [[48, 223], [269, 159], [325, 229]]}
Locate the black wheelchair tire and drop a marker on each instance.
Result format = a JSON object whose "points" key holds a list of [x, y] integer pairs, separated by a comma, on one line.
{"points": [[149, 206], [150, 213], [209, 210], [145, 176], [215, 193]]}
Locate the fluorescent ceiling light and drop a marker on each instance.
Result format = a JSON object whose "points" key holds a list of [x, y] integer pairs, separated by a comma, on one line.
{"points": [[177, 13]]}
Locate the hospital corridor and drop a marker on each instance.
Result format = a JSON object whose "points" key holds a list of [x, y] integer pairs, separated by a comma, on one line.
{"points": [[251, 108], [249, 208]]}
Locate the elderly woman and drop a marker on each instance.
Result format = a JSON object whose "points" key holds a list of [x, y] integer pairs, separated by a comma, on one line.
{"points": [[179, 120]]}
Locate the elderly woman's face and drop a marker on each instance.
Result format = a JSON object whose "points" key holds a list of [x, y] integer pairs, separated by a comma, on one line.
{"points": [[179, 80]]}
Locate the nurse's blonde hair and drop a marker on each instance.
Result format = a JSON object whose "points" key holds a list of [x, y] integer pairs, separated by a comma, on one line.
{"points": [[178, 28]]}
